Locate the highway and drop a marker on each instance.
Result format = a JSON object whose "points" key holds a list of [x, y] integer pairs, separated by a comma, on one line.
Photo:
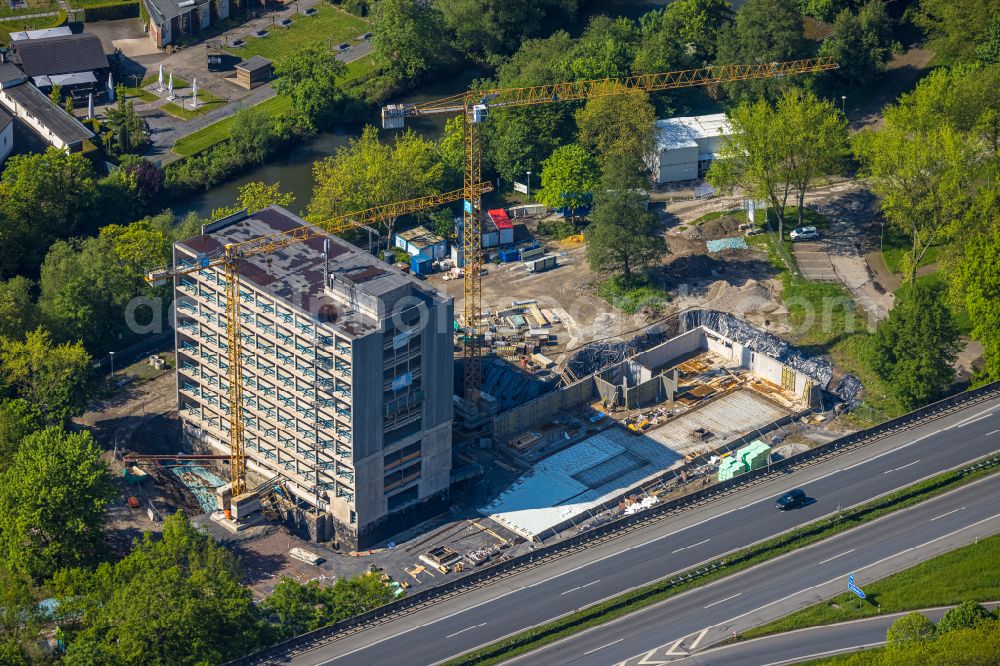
{"points": [[466, 621], [804, 644], [770, 590]]}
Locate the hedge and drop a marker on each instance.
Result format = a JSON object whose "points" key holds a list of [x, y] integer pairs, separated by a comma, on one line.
{"points": [[110, 11]]}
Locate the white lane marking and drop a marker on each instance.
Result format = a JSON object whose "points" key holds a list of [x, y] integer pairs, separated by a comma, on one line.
{"points": [[675, 650], [466, 629], [604, 646], [691, 546], [974, 417], [716, 603], [593, 582], [978, 418], [580, 587], [808, 657], [696, 641], [946, 514], [830, 559], [992, 432], [902, 467]]}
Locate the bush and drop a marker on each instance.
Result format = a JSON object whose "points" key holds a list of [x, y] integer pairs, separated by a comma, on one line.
{"points": [[557, 229], [909, 629], [966, 615], [110, 11]]}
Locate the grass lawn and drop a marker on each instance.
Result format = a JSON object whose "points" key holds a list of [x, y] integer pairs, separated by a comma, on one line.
{"points": [[142, 94], [896, 249], [328, 25], [33, 7], [182, 108], [951, 578], [632, 298], [216, 132]]}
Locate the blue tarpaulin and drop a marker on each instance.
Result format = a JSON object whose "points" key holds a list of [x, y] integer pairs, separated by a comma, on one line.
{"points": [[726, 244]]}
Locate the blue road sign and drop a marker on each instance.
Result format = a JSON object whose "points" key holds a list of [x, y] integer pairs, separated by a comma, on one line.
{"points": [[854, 588]]}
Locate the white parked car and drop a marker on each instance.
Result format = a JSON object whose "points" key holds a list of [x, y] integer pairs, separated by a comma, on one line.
{"points": [[804, 233]]}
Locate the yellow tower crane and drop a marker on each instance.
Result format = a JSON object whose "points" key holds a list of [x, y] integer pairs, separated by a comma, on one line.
{"points": [[229, 259], [474, 106]]}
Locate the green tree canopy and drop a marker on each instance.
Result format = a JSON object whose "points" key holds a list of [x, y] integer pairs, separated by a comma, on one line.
{"points": [[368, 173], [623, 125], [956, 27], [607, 48], [497, 27], [19, 617], [308, 77], [17, 309], [18, 419], [861, 45], [407, 39], [53, 499], [966, 615], [53, 378], [914, 348], [682, 34], [178, 599], [763, 31], [623, 237], [569, 178], [977, 282], [255, 196], [909, 629], [43, 196]]}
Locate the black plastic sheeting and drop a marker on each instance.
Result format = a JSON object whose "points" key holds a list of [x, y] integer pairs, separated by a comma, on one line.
{"points": [[599, 355]]}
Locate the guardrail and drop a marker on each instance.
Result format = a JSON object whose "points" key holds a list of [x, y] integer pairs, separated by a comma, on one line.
{"points": [[458, 586]]}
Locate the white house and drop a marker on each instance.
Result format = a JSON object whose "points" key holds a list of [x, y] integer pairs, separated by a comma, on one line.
{"points": [[686, 146], [6, 134]]}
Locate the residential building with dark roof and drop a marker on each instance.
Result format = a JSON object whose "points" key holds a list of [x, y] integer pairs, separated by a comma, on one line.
{"points": [[170, 21], [30, 105], [347, 376], [76, 63]]}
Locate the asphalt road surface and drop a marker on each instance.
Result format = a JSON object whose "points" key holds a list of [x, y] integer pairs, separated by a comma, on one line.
{"points": [[667, 547], [707, 614], [804, 644]]}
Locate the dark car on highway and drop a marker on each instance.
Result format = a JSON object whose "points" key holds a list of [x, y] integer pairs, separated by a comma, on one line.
{"points": [[791, 500]]}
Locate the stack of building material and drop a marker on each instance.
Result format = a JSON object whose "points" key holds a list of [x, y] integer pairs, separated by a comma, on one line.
{"points": [[754, 455], [730, 467]]}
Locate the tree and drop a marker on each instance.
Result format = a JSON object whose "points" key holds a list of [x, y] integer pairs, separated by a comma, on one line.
{"points": [[255, 196], [451, 152], [52, 503], [18, 419], [966, 615], [977, 281], [56, 94], [54, 378], [911, 628], [956, 27], [129, 128], [816, 135], [988, 52], [684, 33], [914, 347], [497, 27], [298, 608], [860, 44], [569, 177], [923, 180], [175, 600], [19, 616], [43, 196], [368, 173], [17, 310], [763, 31], [407, 39], [142, 177], [623, 237], [607, 48], [308, 77], [622, 125]]}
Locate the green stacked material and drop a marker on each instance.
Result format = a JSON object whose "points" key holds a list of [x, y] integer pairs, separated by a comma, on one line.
{"points": [[754, 455], [730, 467]]}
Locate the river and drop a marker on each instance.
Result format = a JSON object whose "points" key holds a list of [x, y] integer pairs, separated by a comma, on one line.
{"points": [[294, 169]]}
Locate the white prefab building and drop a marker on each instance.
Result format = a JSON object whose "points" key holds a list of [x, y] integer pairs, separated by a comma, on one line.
{"points": [[686, 146], [6, 135]]}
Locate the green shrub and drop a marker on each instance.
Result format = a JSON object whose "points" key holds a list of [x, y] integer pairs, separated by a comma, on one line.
{"points": [[966, 615], [557, 229]]}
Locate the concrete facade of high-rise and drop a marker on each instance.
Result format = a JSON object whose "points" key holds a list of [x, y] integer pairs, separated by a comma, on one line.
{"points": [[347, 375]]}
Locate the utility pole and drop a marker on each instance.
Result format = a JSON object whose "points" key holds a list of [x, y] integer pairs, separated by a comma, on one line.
{"points": [[111, 380]]}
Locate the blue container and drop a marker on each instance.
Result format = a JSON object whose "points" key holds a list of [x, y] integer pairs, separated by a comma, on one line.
{"points": [[509, 254], [421, 265]]}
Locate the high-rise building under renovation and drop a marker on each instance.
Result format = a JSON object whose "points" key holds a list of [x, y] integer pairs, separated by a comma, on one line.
{"points": [[347, 375]]}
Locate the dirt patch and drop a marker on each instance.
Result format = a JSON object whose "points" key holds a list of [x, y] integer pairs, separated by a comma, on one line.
{"points": [[752, 296]]}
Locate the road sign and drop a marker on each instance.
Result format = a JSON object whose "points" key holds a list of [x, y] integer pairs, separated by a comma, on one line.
{"points": [[854, 588]]}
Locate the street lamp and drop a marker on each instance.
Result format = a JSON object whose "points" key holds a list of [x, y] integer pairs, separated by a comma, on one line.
{"points": [[529, 187], [843, 104], [112, 379]]}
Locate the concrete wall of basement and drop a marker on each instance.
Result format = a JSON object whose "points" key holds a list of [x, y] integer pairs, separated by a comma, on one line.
{"points": [[541, 409]]}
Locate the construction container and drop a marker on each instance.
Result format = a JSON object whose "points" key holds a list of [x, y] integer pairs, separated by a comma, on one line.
{"points": [[531, 252], [541, 264], [509, 254], [421, 240], [421, 265], [505, 230]]}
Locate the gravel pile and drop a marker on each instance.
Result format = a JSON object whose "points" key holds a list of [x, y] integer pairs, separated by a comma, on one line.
{"points": [[751, 297]]}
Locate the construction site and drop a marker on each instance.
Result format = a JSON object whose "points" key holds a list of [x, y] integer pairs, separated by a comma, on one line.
{"points": [[423, 417]]}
